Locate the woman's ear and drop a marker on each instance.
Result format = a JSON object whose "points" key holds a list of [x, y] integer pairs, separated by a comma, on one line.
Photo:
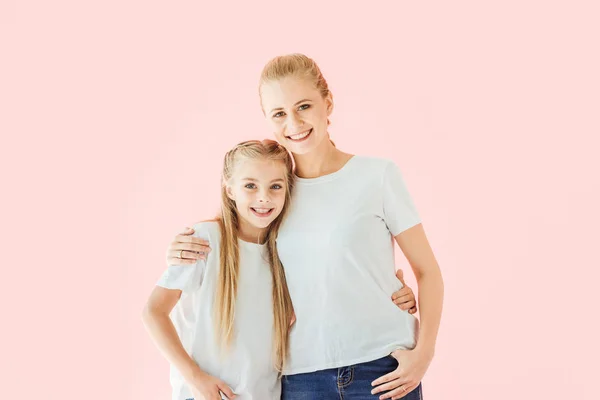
{"points": [[329, 103]]}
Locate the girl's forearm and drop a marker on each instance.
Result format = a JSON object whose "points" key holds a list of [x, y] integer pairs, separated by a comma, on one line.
{"points": [[431, 295], [165, 337]]}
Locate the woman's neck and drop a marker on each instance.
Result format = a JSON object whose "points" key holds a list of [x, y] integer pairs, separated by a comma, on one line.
{"points": [[324, 160]]}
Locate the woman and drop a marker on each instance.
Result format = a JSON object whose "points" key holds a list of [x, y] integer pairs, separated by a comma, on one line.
{"points": [[336, 247]]}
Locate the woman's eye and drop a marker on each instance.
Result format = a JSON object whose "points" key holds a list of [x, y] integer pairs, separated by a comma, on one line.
{"points": [[304, 107], [276, 186], [250, 186], [279, 114]]}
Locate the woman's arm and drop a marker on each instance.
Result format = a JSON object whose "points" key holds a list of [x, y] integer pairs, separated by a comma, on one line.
{"points": [[162, 331], [412, 364], [186, 249], [415, 246]]}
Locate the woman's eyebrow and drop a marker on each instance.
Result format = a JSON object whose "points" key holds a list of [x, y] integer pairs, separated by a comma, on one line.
{"points": [[255, 180], [281, 108]]}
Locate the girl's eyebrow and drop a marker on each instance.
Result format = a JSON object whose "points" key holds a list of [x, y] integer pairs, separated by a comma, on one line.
{"points": [[281, 108]]}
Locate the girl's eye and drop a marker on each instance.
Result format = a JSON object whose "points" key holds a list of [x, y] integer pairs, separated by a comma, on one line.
{"points": [[304, 107], [250, 186], [276, 186], [279, 114]]}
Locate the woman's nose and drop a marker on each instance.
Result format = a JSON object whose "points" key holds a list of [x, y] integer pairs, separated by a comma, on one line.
{"points": [[295, 122]]}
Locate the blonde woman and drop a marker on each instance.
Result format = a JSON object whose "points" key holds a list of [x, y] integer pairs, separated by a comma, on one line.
{"points": [[337, 248]]}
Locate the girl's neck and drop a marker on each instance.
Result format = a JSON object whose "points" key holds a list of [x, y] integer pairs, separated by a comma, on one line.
{"points": [[250, 233], [324, 160]]}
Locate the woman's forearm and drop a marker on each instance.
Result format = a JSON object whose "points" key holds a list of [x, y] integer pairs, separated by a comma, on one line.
{"points": [[165, 337], [431, 295]]}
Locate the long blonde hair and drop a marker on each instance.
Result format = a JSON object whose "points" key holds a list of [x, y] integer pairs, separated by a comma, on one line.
{"points": [[229, 252], [297, 65]]}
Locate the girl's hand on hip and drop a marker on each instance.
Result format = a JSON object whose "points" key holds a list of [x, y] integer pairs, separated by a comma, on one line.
{"points": [[412, 365], [207, 387], [404, 298], [187, 249]]}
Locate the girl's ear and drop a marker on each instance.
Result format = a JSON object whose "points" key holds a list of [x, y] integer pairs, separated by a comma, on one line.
{"points": [[229, 192]]}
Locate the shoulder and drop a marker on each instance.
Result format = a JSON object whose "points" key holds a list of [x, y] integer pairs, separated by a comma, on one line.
{"points": [[374, 165], [208, 230]]}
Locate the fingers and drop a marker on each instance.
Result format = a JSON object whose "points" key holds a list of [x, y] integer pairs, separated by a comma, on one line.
{"points": [[186, 257], [413, 310], [386, 378], [184, 238], [189, 254], [226, 390], [389, 386], [198, 248], [400, 276], [188, 231], [405, 291], [400, 392], [405, 305], [293, 319], [404, 298]]}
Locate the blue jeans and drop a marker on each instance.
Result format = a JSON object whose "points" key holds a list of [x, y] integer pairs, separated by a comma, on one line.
{"points": [[346, 383]]}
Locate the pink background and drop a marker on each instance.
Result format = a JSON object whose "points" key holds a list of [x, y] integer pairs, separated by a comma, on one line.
{"points": [[115, 115]]}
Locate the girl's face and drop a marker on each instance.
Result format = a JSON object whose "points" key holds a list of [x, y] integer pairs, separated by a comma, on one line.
{"points": [[297, 113], [258, 189]]}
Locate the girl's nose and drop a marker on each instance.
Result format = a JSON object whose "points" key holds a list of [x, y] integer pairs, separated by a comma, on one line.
{"points": [[263, 196]]}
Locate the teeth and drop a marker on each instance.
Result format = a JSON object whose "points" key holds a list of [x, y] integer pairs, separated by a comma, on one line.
{"points": [[262, 210], [300, 135]]}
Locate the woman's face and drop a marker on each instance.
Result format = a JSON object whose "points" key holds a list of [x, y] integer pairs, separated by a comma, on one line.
{"points": [[297, 113]]}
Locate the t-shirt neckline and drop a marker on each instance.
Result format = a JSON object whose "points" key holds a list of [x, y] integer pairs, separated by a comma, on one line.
{"points": [[328, 177], [251, 244]]}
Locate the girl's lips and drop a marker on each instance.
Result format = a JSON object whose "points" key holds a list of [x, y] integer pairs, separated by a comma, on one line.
{"points": [[262, 214]]}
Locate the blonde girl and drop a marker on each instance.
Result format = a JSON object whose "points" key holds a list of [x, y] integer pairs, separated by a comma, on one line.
{"points": [[223, 323]]}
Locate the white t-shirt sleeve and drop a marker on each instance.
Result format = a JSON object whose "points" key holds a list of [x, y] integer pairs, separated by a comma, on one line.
{"points": [[186, 278], [399, 211]]}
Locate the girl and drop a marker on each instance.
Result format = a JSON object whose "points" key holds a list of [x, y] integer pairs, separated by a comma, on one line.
{"points": [[190, 314], [210, 351], [337, 249]]}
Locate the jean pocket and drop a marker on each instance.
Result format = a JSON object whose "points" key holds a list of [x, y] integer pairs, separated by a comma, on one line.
{"points": [[392, 358]]}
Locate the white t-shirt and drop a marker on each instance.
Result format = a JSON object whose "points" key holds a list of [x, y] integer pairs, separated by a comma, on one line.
{"points": [[248, 369], [337, 249]]}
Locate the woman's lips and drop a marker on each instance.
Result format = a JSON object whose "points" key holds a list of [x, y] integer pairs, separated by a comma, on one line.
{"points": [[300, 137]]}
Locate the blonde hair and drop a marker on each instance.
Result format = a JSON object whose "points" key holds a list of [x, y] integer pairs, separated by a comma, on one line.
{"points": [[229, 251], [296, 65]]}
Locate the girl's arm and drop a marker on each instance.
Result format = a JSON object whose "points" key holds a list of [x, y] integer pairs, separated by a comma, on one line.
{"points": [[162, 331]]}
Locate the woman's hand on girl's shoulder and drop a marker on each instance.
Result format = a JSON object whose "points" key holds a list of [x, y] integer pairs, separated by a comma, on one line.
{"points": [[187, 249]]}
